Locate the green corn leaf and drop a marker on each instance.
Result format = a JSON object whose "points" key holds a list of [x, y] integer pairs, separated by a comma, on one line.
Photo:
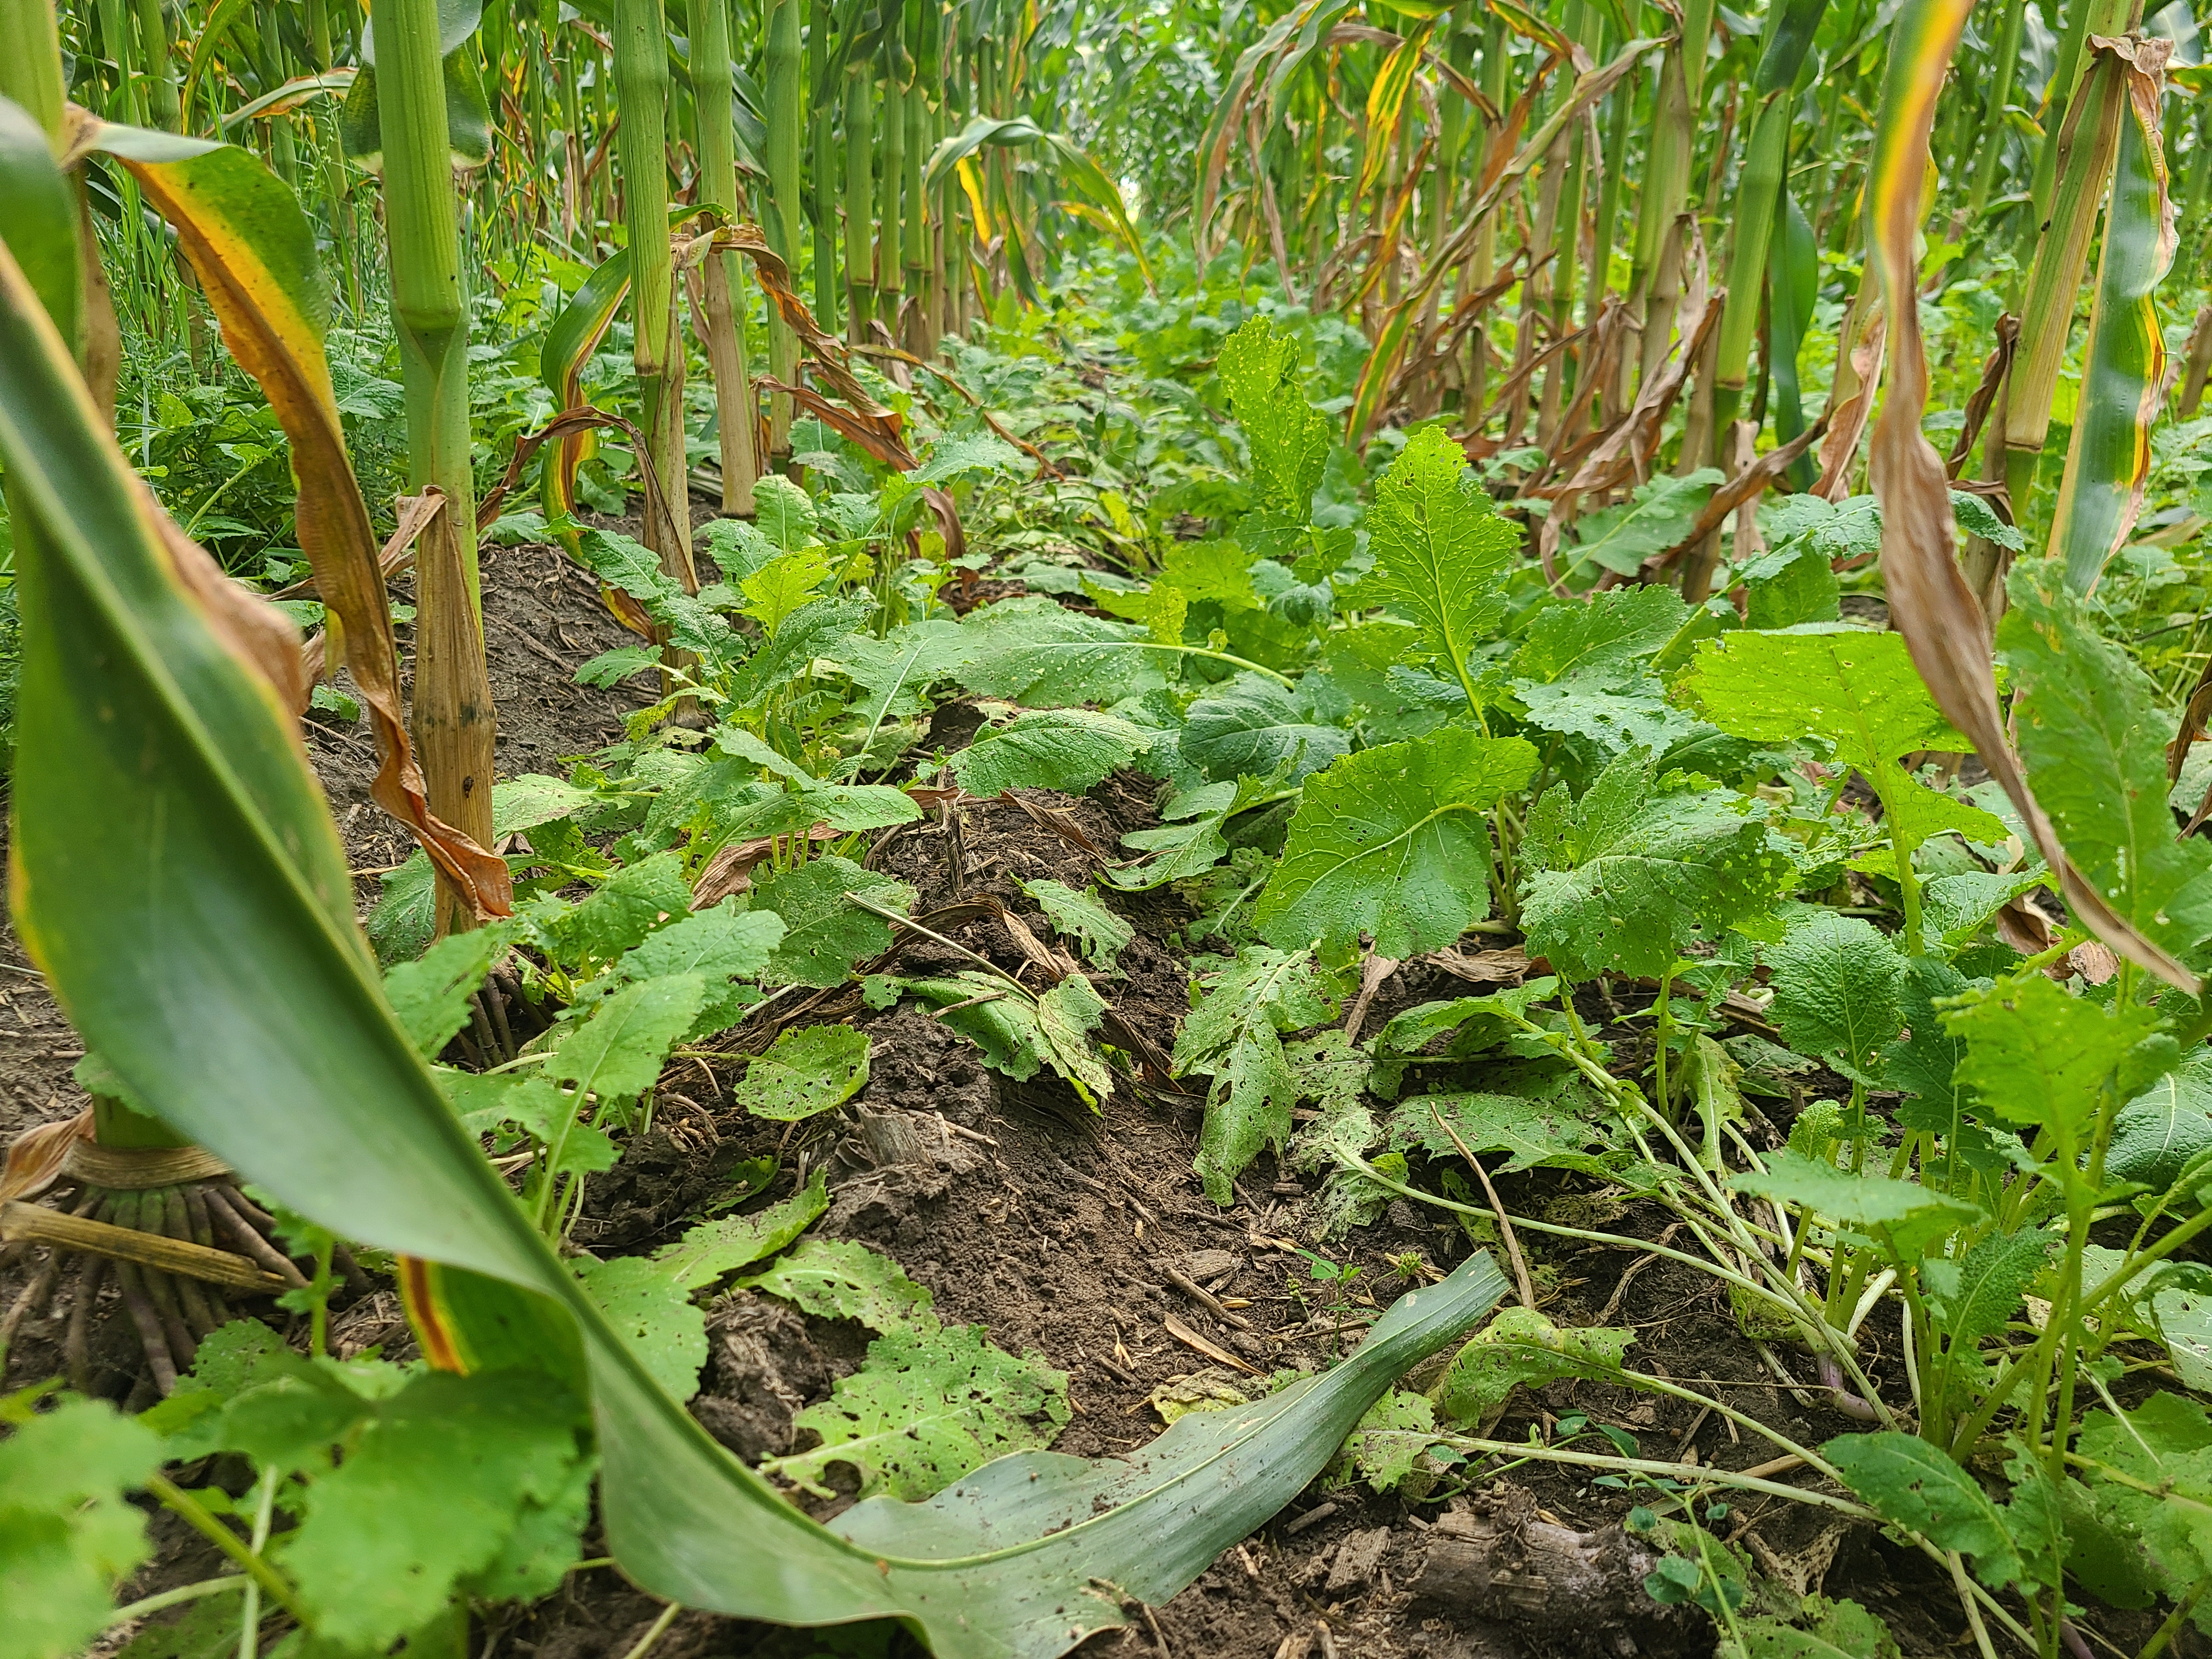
{"points": [[2123, 378], [1393, 841], [805, 1071], [928, 1405], [1914, 1485], [1079, 916], [1253, 727], [1441, 551], [824, 936], [66, 1533], [158, 792], [1064, 749]]}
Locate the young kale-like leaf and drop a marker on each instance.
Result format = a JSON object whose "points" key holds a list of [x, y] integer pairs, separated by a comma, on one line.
{"points": [[784, 585], [1914, 1485], [1603, 638], [722, 945], [1041, 655], [2157, 1134], [929, 1404], [1623, 879], [1520, 1347], [1063, 749], [713, 1249], [1286, 437], [67, 1534], [1655, 517], [2036, 1056], [1974, 1295], [1234, 1035], [1253, 727], [1393, 841], [436, 1481], [825, 935], [1441, 551], [430, 997], [2093, 733], [1836, 988], [618, 1053], [624, 909], [1909, 1216], [654, 1313], [806, 1071]]}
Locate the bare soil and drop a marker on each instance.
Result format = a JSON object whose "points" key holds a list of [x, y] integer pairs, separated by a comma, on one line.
{"points": [[1065, 1231]]}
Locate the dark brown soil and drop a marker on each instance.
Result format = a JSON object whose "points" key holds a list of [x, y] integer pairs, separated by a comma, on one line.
{"points": [[1063, 1229]]}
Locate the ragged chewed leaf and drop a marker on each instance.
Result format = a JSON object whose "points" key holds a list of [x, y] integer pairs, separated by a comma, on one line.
{"points": [[1081, 917], [930, 1403], [1234, 1035], [1520, 1347], [652, 1312], [1286, 437], [823, 935], [807, 1071], [713, 1249], [837, 1278]]}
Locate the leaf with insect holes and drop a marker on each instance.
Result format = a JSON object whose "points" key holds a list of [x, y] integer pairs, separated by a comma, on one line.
{"points": [[1551, 1124], [1066, 1017], [1386, 1448], [1916, 1486], [1019, 1037], [1905, 1213], [436, 1480], [1623, 879], [713, 1249], [1604, 639], [651, 1311], [532, 801], [1520, 1347], [1102, 935], [1038, 653], [2036, 1056], [1234, 1035], [67, 1535], [805, 1071], [1441, 551], [430, 996], [1394, 842], [1655, 517], [1286, 437], [618, 1052], [837, 1278], [1064, 749], [825, 935], [2093, 730], [1253, 727], [1836, 989], [929, 1404]]}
